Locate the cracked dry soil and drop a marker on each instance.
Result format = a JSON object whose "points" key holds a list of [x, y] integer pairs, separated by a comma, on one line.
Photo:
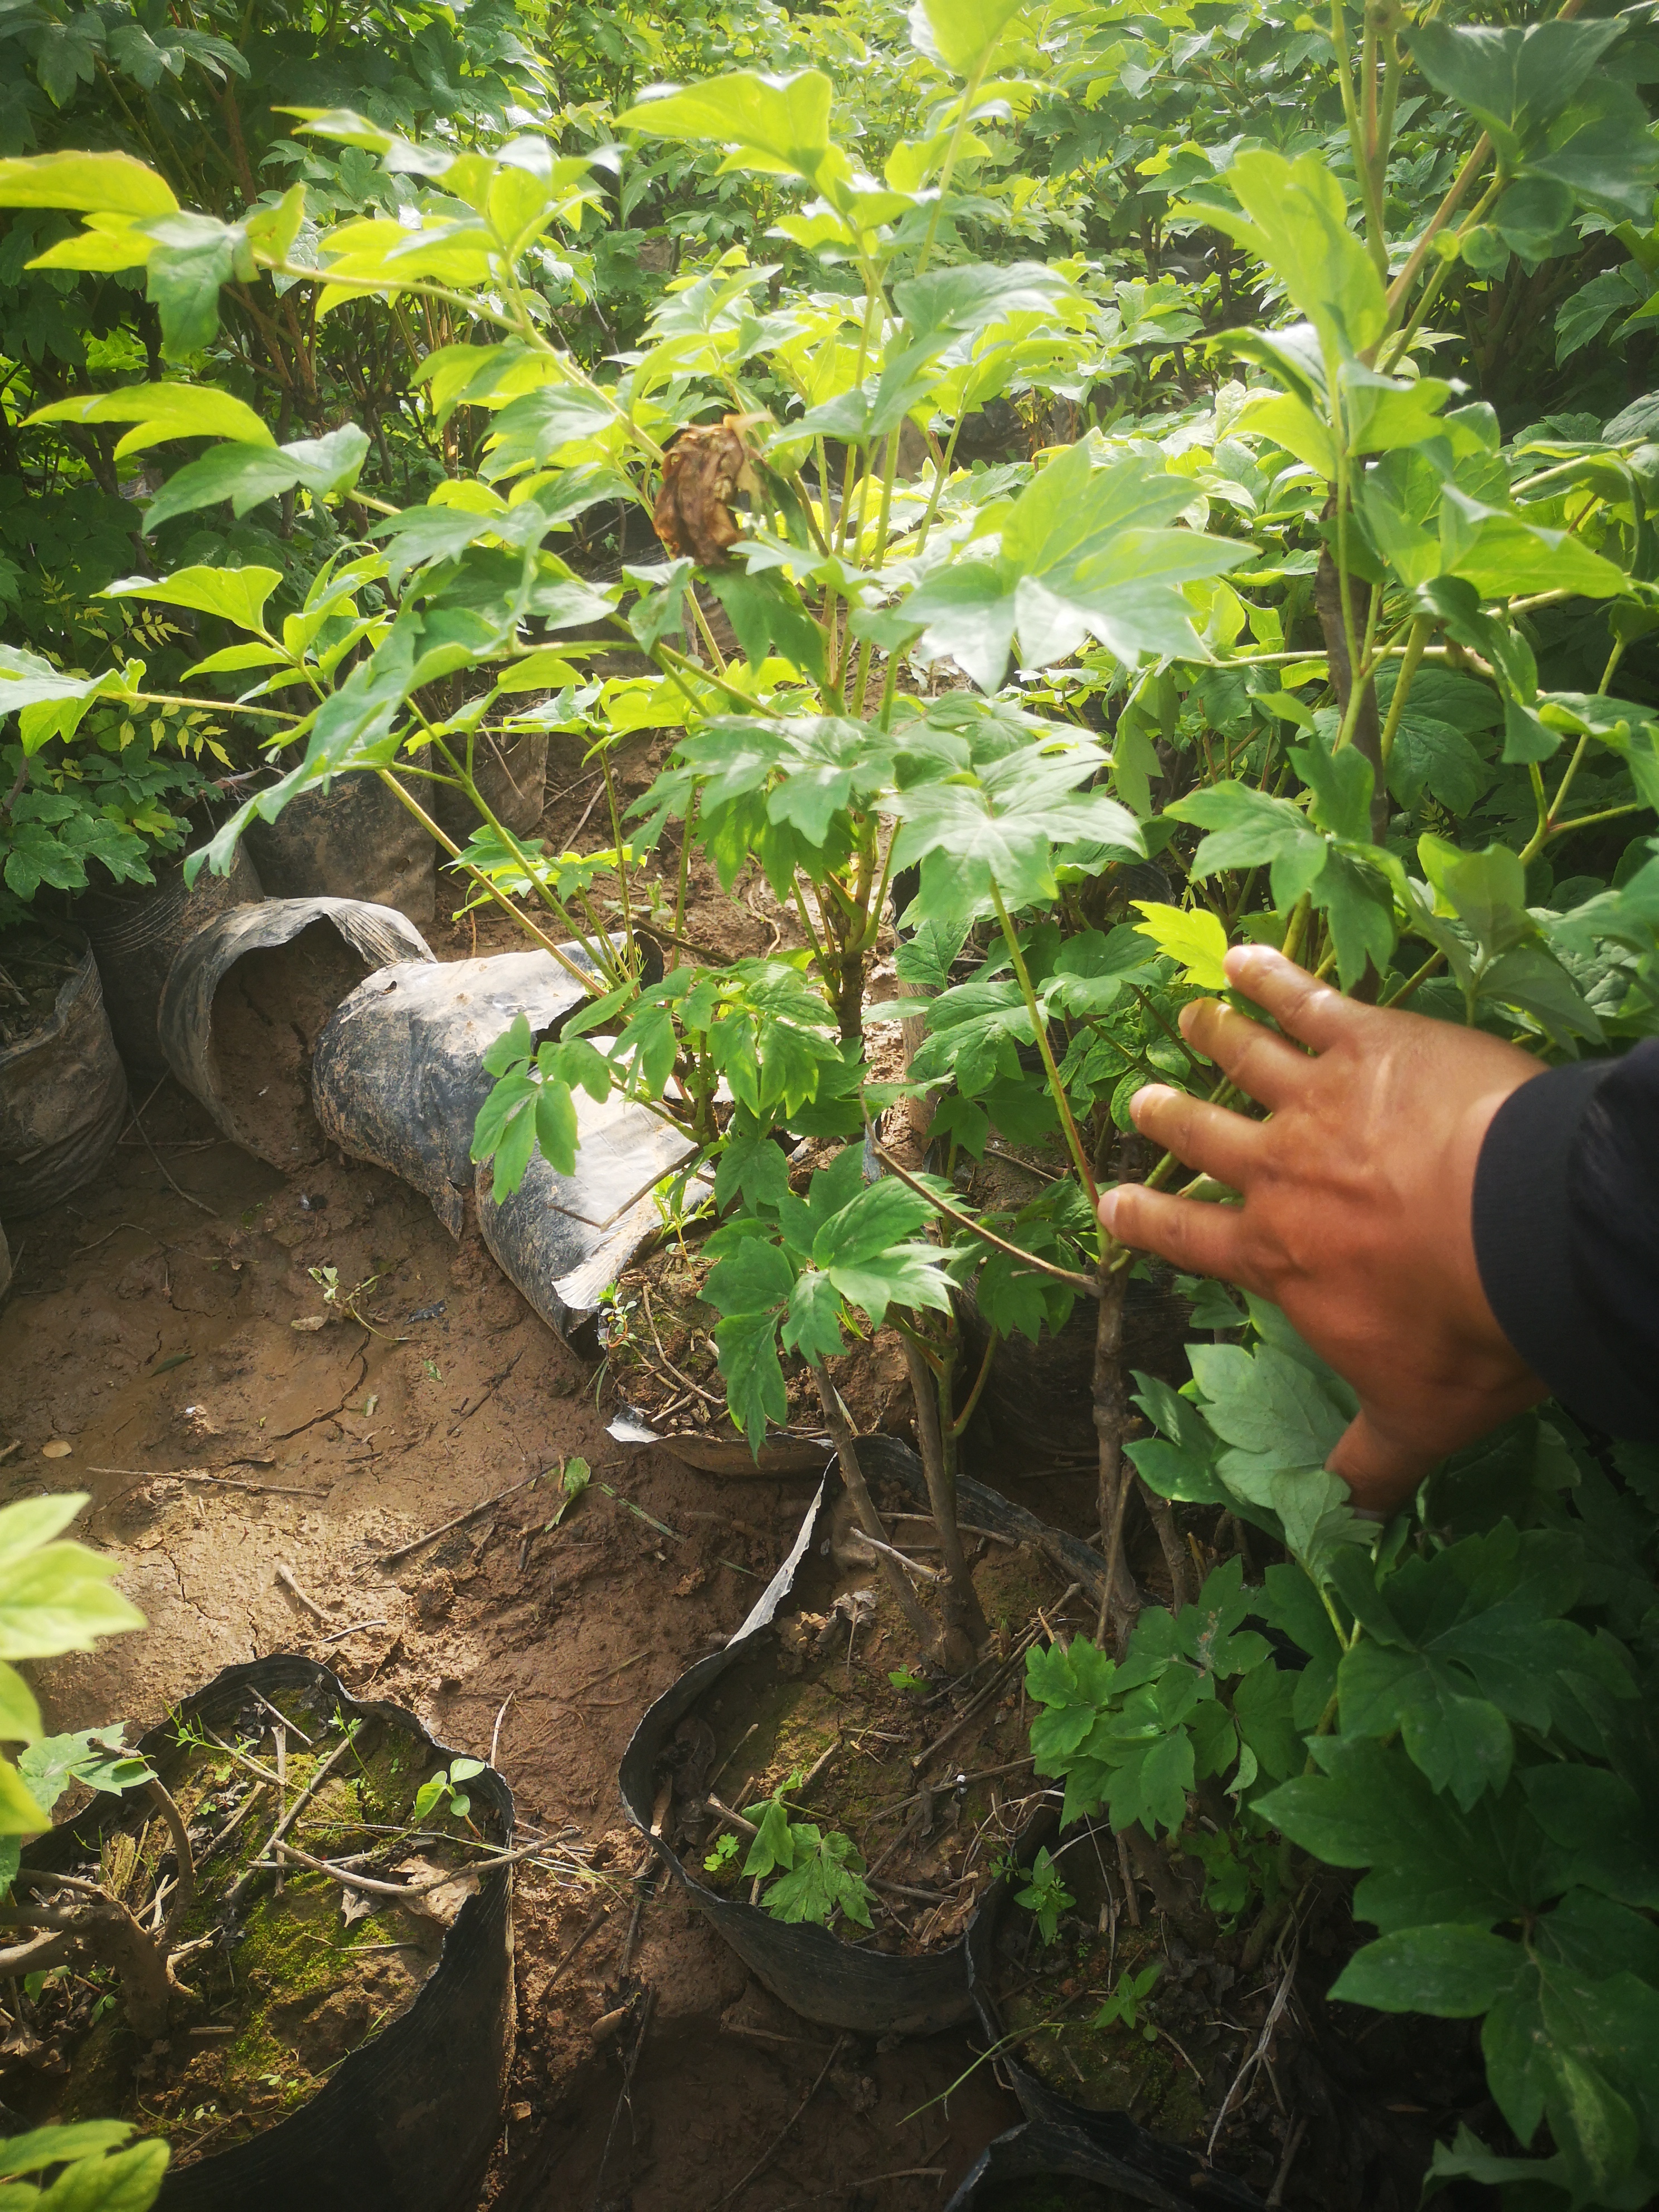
{"points": [[154, 1336]]}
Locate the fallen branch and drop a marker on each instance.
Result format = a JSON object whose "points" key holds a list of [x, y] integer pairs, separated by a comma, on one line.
{"points": [[1241, 2078], [977, 1703], [282, 1719], [766, 2158], [891, 1551], [348, 1880], [286, 1576], [355, 1629], [402, 1551], [319, 1775], [214, 1481]]}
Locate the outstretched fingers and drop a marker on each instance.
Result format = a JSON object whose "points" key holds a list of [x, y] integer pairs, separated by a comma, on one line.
{"points": [[1382, 1471], [1224, 1144], [1304, 1008], [1198, 1238], [1260, 1062]]}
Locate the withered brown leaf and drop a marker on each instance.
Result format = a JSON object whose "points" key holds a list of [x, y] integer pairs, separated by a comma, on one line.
{"points": [[702, 472]]}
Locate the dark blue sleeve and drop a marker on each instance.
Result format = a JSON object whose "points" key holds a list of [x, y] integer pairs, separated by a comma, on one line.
{"points": [[1566, 1234]]}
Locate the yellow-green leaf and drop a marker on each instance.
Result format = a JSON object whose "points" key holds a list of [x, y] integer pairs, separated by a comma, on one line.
{"points": [[159, 411], [238, 595], [780, 125], [58, 1600], [1289, 422], [32, 1521], [959, 33], [19, 1716], [1194, 939], [19, 1813], [109, 241], [115, 182]]}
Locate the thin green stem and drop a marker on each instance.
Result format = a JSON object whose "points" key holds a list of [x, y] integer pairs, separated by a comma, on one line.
{"points": [[970, 93], [1409, 987], [685, 858], [1040, 1029], [1606, 814], [587, 977], [1540, 801], [212, 706], [941, 476], [1414, 645]]}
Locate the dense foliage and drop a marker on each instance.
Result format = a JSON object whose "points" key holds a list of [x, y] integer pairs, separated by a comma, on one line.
{"points": [[1173, 476]]}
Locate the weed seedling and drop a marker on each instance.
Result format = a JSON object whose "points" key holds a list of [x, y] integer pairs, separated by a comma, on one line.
{"points": [[1122, 2007]]}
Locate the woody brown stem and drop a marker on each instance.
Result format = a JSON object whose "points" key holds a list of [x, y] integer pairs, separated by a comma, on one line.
{"points": [[963, 1612], [1107, 1405], [847, 1453]]}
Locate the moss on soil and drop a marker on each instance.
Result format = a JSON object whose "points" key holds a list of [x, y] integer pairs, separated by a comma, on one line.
{"points": [[772, 1723], [298, 1989]]}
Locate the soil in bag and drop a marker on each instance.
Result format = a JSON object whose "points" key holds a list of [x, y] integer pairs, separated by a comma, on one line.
{"points": [[134, 932], [895, 1792], [1139, 2029], [246, 1001], [657, 1332], [62, 1089], [325, 2047]]}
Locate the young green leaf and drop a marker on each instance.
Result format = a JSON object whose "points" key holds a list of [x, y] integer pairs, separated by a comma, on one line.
{"points": [[1194, 938]]}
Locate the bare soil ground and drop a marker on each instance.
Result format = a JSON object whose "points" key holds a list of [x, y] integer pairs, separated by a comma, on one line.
{"points": [[151, 1329]]}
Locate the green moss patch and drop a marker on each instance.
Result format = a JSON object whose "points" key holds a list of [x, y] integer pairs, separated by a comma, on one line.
{"points": [[275, 1991]]}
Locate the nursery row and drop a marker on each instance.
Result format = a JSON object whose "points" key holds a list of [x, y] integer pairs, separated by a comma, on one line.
{"points": [[1013, 503]]}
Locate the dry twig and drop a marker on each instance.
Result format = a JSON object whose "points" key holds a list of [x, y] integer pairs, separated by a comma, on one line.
{"points": [[286, 1576], [762, 2162], [402, 1551]]}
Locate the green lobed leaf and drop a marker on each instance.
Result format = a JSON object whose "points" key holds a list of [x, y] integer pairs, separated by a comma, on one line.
{"points": [[1452, 1971]]}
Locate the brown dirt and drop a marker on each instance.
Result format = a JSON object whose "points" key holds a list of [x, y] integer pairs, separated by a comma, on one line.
{"points": [[256, 2029], [821, 1703], [153, 1335], [34, 967], [660, 1321], [268, 1013]]}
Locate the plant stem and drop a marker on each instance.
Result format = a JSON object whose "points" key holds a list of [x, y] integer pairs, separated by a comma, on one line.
{"points": [[852, 1474], [1408, 987], [1414, 645], [685, 858], [1039, 1028], [586, 977], [1086, 1284], [962, 1608], [1110, 1410], [184, 1895]]}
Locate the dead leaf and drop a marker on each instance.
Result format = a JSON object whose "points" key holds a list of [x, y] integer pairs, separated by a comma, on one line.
{"points": [[56, 1448], [702, 472], [443, 1904], [355, 1906]]}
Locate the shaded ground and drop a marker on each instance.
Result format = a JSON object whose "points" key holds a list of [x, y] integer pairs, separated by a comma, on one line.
{"points": [[151, 1329]]}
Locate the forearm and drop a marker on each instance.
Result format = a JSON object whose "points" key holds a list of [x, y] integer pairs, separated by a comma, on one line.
{"points": [[1566, 1234]]}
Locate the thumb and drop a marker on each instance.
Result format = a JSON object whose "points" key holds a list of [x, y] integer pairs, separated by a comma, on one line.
{"points": [[1380, 1470]]}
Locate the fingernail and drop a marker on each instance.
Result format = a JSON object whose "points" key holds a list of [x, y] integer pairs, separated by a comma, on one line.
{"points": [[1108, 1208]]}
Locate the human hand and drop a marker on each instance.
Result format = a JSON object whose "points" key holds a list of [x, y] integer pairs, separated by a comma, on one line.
{"points": [[1357, 1198]]}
